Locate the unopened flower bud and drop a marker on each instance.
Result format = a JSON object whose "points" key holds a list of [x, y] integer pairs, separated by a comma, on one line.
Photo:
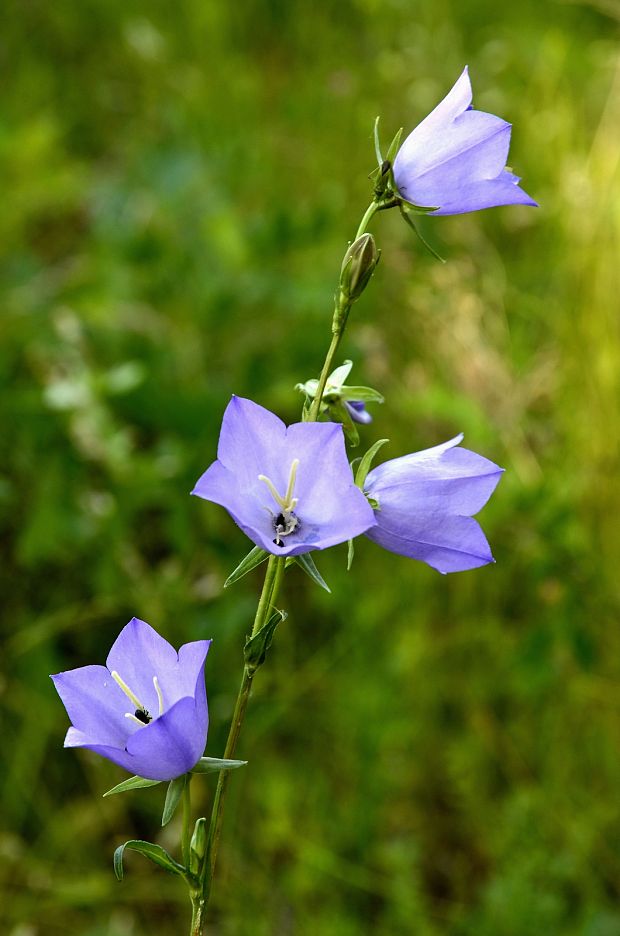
{"points": [[198, 846], [358, 266]]}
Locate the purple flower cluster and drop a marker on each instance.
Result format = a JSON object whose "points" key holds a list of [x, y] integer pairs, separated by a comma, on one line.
{"points": [[291, 491]]}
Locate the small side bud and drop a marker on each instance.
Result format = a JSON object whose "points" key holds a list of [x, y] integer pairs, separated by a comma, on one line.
{"points": [[198, 846], [358, 266]]}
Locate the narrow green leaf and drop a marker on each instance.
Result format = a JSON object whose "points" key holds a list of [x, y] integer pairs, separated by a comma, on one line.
{"points": [[405, 212], [154, 853], [256, 647], [173, 797], [134, 783], [364, 466], [214, 764], [251, 561], [377, 142], [394, 146], [306, 562], [350, 555]]}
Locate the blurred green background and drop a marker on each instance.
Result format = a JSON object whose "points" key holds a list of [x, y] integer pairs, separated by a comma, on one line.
{"points": [[428, 754]]}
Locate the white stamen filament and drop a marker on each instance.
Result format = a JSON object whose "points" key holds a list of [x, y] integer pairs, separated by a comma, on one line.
{"points": [[130, 695], [159, 695], [287, 503], [133, 718]]}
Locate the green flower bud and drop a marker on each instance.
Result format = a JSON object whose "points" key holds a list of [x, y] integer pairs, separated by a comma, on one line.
{"points": [[358, 266], [198, 846]]}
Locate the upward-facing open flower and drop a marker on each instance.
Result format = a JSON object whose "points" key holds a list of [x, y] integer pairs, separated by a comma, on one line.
{"points": [[146, 710], [425, 503], [455, 159], [289, 489]]}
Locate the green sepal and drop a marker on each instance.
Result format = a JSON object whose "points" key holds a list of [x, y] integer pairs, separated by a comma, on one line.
{"points": [[306, 562], [364, 466], [339, 374], [377, 142], [256, 647], [213, 764], [394, 147], [154, 853], [405, 212], [350, 554], [339, 413], [133, 783], [251, 561], [363, 394], [173, 798]]}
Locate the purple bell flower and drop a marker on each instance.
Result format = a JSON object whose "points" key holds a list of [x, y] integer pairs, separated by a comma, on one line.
{"points": [[289, 489], [456, 159], [425, 502], [358, 412], [146, 710]]}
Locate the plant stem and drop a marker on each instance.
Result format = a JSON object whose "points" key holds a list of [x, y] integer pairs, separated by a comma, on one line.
{"points": [[340, 322], [187, 819], [271, 587]]}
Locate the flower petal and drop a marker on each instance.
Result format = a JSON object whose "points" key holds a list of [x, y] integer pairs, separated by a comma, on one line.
{"points": [[449, 480], [250, 437], [485, 194], [172, 744], [457, 101], [447, 543], [138, 654], [95, 704]]}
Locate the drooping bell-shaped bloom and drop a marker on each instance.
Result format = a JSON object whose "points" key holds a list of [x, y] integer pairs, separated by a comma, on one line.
{"points": [[425, 504], [290, 489], [455, 160], [146, 709]]}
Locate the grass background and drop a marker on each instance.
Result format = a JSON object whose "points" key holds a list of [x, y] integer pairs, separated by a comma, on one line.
{"points": [[428, 755]]}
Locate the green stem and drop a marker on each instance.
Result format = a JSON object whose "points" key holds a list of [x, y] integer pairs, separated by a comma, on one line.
{"points": [[187, 819], [340, 322], [269, 594]]}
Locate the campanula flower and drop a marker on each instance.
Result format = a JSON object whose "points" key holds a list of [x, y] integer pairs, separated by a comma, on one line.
{"points": [[455, 160], [146, 709], [289, 489], [425, 502]]}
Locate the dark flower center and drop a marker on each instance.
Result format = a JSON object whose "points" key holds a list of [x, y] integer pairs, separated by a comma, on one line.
{"points": [[283, 525], [143, 716]]}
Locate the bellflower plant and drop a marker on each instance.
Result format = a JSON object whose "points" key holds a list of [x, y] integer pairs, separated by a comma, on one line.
{"points": [[455, 160], [292, 492], [146, 709], [289, 489], [424, 505]]}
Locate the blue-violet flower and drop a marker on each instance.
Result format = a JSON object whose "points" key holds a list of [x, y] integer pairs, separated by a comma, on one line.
{"points": [[358, 412], [146, 710], [425, 502], [455, 159], [290, 489]]}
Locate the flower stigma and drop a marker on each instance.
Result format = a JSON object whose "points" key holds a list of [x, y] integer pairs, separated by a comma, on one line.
{"points": [[141, 714], [285, 522]]}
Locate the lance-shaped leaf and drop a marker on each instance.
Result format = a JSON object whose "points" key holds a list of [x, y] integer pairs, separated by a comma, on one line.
{"points": [[214, 764], [251, 561], [366, 461], [173, 797], [134, 783], [306, 562], [154, 853], [256, 647]]}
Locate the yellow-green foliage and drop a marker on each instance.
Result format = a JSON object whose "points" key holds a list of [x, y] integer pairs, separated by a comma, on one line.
{"points": [[427, 755]]}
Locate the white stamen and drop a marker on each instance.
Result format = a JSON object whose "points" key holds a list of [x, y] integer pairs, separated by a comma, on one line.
{"points": [[133, 718], [130, 695], [159, 695], [287, 503]]}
